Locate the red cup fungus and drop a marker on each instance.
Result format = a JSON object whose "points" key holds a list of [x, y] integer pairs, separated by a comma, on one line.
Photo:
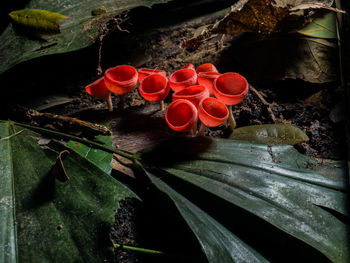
{"points": [[144, 72], [99, 90], [212, 113], [207, 67], [190, 66], [154, 88], [182, 116], [231, 89], [182, 78], [193, 93], [121, 80], [207, 79]]}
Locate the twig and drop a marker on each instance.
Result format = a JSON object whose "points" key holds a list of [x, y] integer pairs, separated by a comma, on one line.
{"points": [[67, 123], [339, 28], [268, 105], [105, 30], [12, 135], [100, 43]]}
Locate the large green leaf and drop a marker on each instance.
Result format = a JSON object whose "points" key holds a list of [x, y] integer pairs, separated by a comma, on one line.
{"points": [[78, 31], [219, 244], [276, 184], [43, 219], [270, 134]]}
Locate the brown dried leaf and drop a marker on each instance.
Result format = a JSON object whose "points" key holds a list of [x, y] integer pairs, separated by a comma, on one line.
{"points": [[264, 17], [285, 58]]}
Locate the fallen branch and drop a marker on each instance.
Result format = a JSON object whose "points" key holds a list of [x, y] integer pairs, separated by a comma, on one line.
{"points": [[67, 124]]}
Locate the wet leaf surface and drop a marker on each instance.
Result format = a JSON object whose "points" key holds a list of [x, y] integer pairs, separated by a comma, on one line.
{"points": [[274, 183]]}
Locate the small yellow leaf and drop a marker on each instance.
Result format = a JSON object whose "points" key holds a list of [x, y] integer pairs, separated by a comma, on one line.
{"points": [[39, 22]]}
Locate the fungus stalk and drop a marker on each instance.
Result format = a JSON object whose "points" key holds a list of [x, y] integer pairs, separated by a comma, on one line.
{"points": [[162, 106], [109, 102], [231, 119], [201, 130], [193, 132]]}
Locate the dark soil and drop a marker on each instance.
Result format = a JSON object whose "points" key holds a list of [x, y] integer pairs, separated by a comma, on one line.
{"points": [[318, 109]]}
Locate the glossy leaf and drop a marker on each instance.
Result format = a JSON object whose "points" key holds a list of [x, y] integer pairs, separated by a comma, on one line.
{"points": [[40, 22], [323, 27], [100, 158], [50, 220], [79, 31], [270, 134], [276, 184], [210, 233]]}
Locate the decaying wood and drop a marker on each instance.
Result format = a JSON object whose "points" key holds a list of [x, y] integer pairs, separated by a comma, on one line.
{"points": [[67, 124]]}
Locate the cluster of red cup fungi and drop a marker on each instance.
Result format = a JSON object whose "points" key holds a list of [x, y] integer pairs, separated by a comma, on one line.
{"points": [[193, 97]]}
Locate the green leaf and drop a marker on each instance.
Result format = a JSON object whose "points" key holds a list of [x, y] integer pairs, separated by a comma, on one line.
{"points": [[276, 184], [270, 134], [323, 27], [43, 219], [219, 244], [39, 22], [100, 158], [79, 31]]}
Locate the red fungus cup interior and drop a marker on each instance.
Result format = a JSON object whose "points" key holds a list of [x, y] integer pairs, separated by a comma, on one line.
{"points": [[144, 72], [207, 67], [154, 87], [193, 93], [182, 78], [182, 116], [212, 112], [121, 79], [98, 89], [230, 88], [207, 79]]}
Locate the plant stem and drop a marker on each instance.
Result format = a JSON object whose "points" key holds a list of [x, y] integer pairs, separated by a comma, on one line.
{"points": [[109, 102], [201, 129], [231, 119], [154, 252], [77, 139], [162, 106], [139, 249]]}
